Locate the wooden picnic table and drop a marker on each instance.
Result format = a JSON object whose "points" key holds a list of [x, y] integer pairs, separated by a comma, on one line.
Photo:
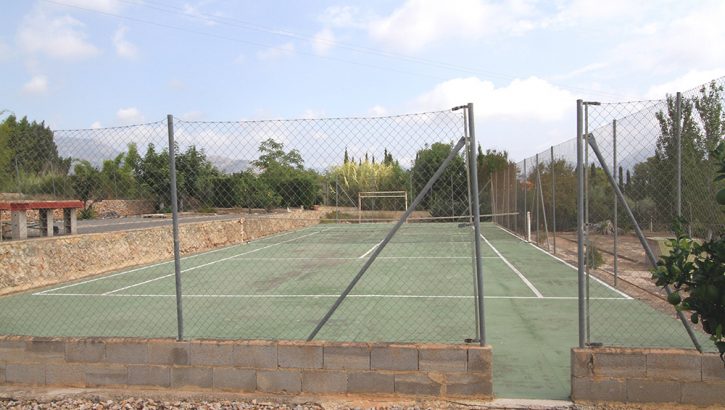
{"points": [[19, 219]]}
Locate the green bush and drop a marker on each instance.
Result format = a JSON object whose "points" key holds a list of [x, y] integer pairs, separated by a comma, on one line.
{"points": [[593, 257], [442, 205]]}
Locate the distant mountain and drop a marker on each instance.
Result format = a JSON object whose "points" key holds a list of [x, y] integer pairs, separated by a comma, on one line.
{"points": [[85, 149], [228, 165]]}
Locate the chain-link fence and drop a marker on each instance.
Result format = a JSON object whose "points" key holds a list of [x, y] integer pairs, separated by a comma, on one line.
{"points": [[660, 155], [276, 220]]}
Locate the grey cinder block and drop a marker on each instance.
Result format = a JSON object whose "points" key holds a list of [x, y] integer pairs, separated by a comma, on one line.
{"points": [[394, 358], [587, 389], [370, 382], [85, 351], [299, 356], [69, 375], [258, 355], [279, 381], [417, 384], [104, 375], [236, 379], [653, 391], [127, 352], [211, 353], [347, 357], [145, 375], [443, 359], [27, 373], [469, 384], [169, 352], [324, 381], [192, 377]]}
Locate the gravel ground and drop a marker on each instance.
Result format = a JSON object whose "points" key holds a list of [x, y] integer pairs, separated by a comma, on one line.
{"points": [[17, 397]]}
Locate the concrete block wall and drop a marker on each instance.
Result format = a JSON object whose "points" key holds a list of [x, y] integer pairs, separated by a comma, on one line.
{"points": [[248, 366], [647, 376]]}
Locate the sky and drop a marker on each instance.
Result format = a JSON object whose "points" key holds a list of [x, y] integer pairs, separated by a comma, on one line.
{"points": [[523, 63]]}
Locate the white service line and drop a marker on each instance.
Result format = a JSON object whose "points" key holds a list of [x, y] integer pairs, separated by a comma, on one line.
{"points": [[357, 258], [370, 250], [207, 264], [150, 266], [605, 284], [324, 296], [513, 268]]}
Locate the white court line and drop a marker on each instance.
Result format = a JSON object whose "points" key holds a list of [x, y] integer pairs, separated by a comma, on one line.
{"points": [[152, 266], [370, 250], [316, 296], [605, 284], [513, 268], [357, 258]]}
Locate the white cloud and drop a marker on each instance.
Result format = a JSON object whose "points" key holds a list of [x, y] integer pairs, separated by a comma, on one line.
{"points": [[129, 115], [323, 41], [96, 125], [419, 23], [344, 16], [378, 111], [527, 99], [124, 48], [274, 53], [692, 79], [241, 58], [312, 114], [192, 116], [106, 6], [37, 85], [194, 12], [60, 37]]}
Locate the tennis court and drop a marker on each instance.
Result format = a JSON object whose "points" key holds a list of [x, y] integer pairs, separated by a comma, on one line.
{"points": [[420, 289]]}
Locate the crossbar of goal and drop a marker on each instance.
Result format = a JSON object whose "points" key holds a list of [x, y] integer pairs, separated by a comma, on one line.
{"points": [[379, 194]]}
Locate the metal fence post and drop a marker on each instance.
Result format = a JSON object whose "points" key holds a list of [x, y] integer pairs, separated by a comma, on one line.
{"points": [[476, 226], [678, 137], [580, 219], [552, 169], [175, 228], [526, 194], [616, 220], [537, 187]]}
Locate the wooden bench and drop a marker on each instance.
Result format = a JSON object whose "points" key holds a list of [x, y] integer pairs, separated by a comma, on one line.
{"points": [[19, 219]]}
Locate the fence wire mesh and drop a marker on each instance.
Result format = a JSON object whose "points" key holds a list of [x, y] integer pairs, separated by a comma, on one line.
{"points": [[276, 218], [639, 143]]}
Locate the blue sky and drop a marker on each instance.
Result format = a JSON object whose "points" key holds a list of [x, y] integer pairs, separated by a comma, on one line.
{"points": [[86, 63]]}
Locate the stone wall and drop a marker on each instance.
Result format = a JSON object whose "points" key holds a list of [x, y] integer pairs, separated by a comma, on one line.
{"points": [[46, 261], [119, 207], [647, 376], [123, 207], [248, 366]]}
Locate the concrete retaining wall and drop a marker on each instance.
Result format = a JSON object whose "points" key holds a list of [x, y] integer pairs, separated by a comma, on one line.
{"points": [[46, 261], [249, 366], [647, 376]]}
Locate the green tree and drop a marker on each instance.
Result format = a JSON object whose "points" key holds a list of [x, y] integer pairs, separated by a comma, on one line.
{"points": [[34, 151], [448, 196], [88, 186], [284, 172]]}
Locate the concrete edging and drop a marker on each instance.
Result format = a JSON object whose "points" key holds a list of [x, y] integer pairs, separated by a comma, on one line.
{"points": [[434, 370]]}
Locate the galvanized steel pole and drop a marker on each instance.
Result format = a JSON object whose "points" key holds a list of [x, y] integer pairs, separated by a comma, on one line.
{"points": [[580, 219], [476, 226], [175, 228]]}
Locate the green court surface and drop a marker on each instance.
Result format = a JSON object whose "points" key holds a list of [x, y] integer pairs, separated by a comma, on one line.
{"points": [[419, 290]]}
